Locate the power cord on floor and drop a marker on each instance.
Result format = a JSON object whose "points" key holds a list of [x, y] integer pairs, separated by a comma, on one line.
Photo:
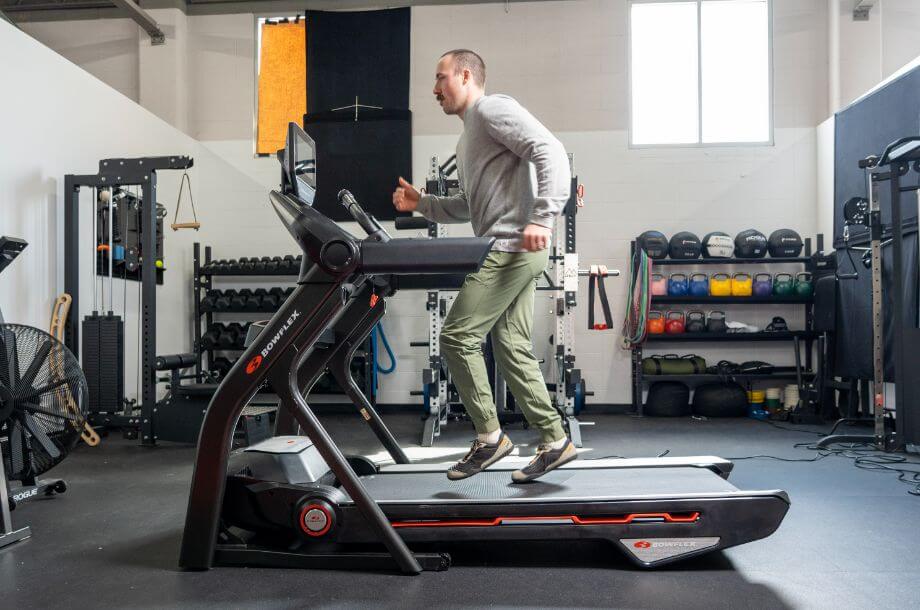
{"points": [[864, 456]]}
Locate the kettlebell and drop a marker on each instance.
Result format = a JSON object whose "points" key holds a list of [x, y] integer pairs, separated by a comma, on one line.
{"points": [[782, 284], [803, 284], [763, 285], [676, 323], [659, 285], [677, 285], [741, 285], [716, 322], [720, 285], [655, 324], [696, 322], [699, 284]]}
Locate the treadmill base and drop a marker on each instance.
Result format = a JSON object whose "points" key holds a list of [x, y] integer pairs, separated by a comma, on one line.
{"points": [[242, 555]]}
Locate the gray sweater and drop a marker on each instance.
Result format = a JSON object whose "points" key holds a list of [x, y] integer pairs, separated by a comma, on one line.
{"points": [[512, 171]]}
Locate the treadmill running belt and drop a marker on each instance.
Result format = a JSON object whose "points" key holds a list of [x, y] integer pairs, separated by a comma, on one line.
{"points": [[559, 485]]}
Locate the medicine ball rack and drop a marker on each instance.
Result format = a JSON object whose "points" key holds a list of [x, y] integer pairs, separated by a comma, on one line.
{"points": [[206, 269], [806, 336]]}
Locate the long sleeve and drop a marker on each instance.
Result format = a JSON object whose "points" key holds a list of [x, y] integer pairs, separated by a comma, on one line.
{"points": [[513, 126], [447, 210]]}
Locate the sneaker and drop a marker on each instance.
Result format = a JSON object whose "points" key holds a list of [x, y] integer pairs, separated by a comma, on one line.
{"points": [[546, 459], [481, 456]]}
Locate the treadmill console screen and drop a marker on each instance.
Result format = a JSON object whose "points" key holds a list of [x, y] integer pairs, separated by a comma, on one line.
{"points": [[300, 158]]}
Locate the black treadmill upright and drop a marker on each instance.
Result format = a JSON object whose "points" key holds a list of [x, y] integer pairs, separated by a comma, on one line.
{"points": [[297, 501]]}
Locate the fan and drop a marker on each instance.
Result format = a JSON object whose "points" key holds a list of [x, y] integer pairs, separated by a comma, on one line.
{"points": [[43, 396]]}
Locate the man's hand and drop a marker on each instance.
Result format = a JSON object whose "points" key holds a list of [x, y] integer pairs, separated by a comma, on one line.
{"points": [[537, 237], [405, 197]]}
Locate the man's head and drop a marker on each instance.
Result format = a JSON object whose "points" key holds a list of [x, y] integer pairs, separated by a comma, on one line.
{"points": [[460, 80]]}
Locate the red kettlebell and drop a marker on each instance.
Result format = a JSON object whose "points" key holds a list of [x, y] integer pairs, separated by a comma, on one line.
{"points": [[676, 323]]}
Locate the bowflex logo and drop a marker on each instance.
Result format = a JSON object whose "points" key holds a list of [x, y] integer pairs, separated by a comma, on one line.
{"points": [[645, 544], [256, 362], [253, 365]]}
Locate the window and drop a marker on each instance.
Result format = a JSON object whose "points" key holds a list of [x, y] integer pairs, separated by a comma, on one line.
{"points": [[700, 72]]}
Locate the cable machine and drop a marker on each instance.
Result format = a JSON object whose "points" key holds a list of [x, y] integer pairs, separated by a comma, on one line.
{"points": [[128, 244]]}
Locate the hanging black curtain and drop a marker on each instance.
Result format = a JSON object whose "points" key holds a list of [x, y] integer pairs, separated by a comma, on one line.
{"points": [[865, 128], [359, 57]]}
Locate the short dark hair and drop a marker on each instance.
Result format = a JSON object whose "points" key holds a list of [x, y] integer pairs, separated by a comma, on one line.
{"points": [[464, 59]]}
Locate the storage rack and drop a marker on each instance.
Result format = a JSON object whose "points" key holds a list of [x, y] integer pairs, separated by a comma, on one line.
{"points": [[806, 336], [203, 281]]}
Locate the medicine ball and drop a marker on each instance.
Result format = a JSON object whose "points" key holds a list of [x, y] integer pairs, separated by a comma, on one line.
{"points": [[784, 243], [684, 245], [718, 245], [720, 400], [654, 243], [667, 399], [750, 244]]}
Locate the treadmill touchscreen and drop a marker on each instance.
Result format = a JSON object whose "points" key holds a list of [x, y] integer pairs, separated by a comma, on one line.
{"points": [[300, 155]]}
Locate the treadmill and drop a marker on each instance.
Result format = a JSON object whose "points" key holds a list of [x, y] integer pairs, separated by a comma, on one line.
{"points": [[297, 501]]}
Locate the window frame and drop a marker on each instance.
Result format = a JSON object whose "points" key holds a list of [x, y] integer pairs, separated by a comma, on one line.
{"points": [[256, 57], [699, 50]]}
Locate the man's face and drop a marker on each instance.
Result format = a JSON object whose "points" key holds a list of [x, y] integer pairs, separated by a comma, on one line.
{"points": [[449, 88]]}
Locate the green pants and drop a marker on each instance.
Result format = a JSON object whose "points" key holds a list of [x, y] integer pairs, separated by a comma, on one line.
{"points": [[500, 297]]}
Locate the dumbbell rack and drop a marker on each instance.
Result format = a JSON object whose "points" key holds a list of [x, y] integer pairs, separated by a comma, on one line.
{"points": [[206, 269], [808, 335]]}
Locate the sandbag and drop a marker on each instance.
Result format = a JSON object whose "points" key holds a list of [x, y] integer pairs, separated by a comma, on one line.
{"points": [[720, 400], [672, 364], [667, 399]]}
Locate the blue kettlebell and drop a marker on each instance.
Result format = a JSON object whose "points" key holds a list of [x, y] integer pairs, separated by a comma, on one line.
{"points": [[699, 285], [763, 285], [677, 285]]}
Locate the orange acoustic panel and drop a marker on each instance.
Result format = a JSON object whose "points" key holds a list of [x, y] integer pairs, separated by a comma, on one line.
{"points": [[282, 82]]}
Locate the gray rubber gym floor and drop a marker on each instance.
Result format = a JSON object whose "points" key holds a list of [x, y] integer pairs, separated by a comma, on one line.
{"points": [[850, 539]]}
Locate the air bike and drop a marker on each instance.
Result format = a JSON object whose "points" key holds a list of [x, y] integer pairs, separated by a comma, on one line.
{"points": [[296, 501]]}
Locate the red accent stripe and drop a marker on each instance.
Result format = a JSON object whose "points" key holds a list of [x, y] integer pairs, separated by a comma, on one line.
{"points": [[573, 519]]}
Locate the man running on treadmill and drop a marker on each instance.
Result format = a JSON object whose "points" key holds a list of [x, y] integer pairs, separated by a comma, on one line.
{"points": [[500, 147]]}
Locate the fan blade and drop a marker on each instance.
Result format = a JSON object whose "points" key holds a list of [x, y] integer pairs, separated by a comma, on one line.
{"points": [[31, 407], [40, 355], [7, 356], [39, 435], [17, 444], [37, 392]]}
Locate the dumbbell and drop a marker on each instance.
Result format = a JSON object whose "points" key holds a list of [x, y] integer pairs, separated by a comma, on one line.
{"points": [[237, 298], [230, 335], [288, 264], [232, 266], [239, 332], [258, 265], [209, 301], [257, 301], [272, 299], [221, 366], [209, 339], [271, 266]]}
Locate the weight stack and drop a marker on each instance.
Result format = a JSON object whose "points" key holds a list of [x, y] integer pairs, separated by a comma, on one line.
{"points": [[104, 362]]}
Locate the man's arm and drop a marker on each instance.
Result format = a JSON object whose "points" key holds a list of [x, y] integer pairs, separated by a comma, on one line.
{"points": [[448, 210], [511, 124]]}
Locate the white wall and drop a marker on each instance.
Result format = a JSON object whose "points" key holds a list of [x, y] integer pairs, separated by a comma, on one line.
{"points": [[872, 50], [52, 139], [566, 62]]}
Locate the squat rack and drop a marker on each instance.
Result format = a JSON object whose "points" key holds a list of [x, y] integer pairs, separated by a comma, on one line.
{"points": [[118, 172]]}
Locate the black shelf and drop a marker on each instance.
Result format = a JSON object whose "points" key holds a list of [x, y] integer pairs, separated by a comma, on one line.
{"points": [[662, 303], [731, 261], [706, 378], [226, 272], [240, 310], [752, 300], [728, 337]]}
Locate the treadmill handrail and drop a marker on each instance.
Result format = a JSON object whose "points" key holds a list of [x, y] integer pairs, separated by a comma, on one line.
{"points": [[425, 256]]}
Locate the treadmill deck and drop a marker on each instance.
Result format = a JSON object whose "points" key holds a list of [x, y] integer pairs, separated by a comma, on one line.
{"points": [[557, 486]]}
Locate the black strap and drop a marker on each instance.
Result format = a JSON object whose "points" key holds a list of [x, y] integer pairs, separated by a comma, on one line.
{"points": [[596, 275]]}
